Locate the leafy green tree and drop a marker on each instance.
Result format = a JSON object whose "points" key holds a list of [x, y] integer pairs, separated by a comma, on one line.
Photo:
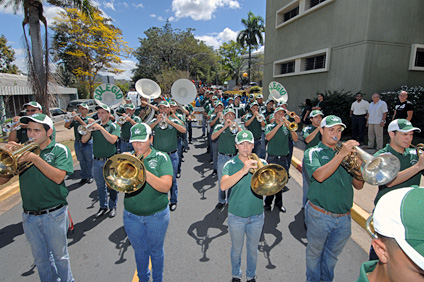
{"points": [[38, 66], [251, 35], [231, 60], [87, 46], [7, 56]]}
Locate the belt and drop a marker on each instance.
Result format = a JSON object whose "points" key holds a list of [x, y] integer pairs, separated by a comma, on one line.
{"points": [[321, 210], [228, 155], [101, 159], [43, 211], [170, 153], [125, 140], [360, 115]]}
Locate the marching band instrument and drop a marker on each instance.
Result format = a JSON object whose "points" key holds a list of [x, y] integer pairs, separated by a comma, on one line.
{"points": [[69, 117], [292, 126], [221, 118], [108, 94], [369, 227], [124, 173], [419, 148], [290, 114], [163, 124], [233, 128], [278, 92], [9, 165], [84, 129], [10, 126], [377, 170], [147, 88], [269, 179], [183, 91], [121, 119], [260, 118]]}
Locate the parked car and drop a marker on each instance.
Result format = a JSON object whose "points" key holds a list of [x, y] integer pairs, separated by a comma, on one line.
{"points": [[57, 114], [73, 105]]}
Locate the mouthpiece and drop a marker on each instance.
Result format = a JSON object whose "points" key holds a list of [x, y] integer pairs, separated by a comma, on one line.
{"points": [[335, 138]]}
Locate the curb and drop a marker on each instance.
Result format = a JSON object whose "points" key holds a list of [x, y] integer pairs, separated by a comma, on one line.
{"points": [[358, 214]]}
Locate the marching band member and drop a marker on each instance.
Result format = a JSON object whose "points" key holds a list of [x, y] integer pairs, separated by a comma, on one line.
{"points": [[252, 123], [104, 136], [130, 120], [43, 192], [226, 147], [278, 138], [20, 135], [83, 151], [178, 115], [215, 117], [245, 209], [146, 213], [166, 141], [238, 107], [330, 196]]}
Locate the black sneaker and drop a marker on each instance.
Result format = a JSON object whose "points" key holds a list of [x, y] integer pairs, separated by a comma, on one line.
{"points": [[219, 206], [173, 206], [101, 212], [112, 212], [252, 280], [89, 180], [282, 209], [214, 173], [235, 279], [83, 181]]}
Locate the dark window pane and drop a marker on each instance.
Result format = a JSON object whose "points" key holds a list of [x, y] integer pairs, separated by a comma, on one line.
{"points": [[287, 68], [419, 58], [291, 14], [314, 63], [313, 3]]}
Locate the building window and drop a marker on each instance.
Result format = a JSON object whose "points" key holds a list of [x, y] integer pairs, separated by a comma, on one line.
{"points": [[314, 63], [287, 67], [313, 3], [416, 61], [291, 14]]}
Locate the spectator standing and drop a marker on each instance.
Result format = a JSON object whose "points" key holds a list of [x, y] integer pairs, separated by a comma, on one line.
{"points": [[404, 108], [321, 104], [306, 112], [376, 119], [358, 113]]}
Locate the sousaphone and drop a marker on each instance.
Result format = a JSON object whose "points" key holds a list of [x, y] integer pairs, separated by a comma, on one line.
{"points": [[147, 88], [278, 92], [108, 94], [183, 91]]}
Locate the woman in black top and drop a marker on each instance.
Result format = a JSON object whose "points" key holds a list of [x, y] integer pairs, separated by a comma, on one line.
{"points": [[306, 111]]}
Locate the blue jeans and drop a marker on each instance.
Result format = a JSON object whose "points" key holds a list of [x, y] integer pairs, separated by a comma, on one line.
{"points": [[102, 189], [257, 148], [46, 234], [214, 150], [204, 123], [326, 236], [263, 146], [222, 159], [180, 152], [305, 185], [284, 161], [126, 146], [84, 153], [252, 227], [147, 236], [174, 188]]}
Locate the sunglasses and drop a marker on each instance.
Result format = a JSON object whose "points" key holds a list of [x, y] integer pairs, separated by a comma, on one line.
{"points": [[31, 111]]}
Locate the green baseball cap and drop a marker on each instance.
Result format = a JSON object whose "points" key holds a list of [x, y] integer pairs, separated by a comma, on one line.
{"points": [[230, 98], [270, 101], [214, 97], [260, 96], [84, 105], [128, 98], [130, 106], [251, 96], [164, 103], [236, 96], [279, 109], [229, 110], [140, 132], [402, 125], [33, 104], [330, 121], [315, 113], [218, 103], [254, 104], [399, 215], [104, 107], [173, 103], [245, 135], [38, 118]]}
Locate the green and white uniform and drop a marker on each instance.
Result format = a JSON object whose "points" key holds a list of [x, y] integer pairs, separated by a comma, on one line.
{"points": [[165, 140], [227, 141], [101, 147], [306, 132], [74, 124], [366, 268], [255, 126], [125, 128], [279, 144]]}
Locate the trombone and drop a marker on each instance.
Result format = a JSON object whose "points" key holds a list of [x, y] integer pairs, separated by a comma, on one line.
{"points": [[84, 129], [9, 160]]}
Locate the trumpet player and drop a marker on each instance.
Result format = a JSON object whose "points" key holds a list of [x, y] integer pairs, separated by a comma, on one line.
{"points": [[327, 213], [20, 135], [216, 117], [130, 119], [166, 140], [104, 136], [83, 151], [254, 122], [278, 136], [43, 192], [226, 134]]}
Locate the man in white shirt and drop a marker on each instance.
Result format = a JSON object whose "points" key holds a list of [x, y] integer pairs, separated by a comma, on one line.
{"points": [[358, 112], [376, 117]]}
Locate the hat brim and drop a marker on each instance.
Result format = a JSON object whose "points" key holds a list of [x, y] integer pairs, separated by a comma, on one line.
{"points": [[27, 119], [409, 130], [139, 139], [100, 107]]}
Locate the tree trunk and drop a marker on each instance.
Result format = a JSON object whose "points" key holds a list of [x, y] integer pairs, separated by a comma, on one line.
{"points": [[248, 71]]}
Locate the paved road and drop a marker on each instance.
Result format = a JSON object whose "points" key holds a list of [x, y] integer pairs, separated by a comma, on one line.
{"points": [[197, 246]]}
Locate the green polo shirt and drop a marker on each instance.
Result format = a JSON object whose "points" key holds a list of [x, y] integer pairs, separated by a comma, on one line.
{"points": [[308, 130], [37, 191], [407, 159], [255, 126], [74, 124], [212, 116], [335, 194], [125, 128], [147, 200], [279, 144], [243, 202], [181, 117], [227, 141], [366, 268], [165, 140], [101, 147]]}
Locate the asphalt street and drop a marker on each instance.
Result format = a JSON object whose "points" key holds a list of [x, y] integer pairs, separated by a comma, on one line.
{"points": [[197, 244]]}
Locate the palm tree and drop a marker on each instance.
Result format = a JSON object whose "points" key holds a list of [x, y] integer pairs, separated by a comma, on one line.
{"points": [[38, 63], [252, 35]]}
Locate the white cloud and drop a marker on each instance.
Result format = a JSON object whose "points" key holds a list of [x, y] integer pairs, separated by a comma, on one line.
{"points": [[152, 15], [125, 4], [201, 9], [127, 66], [215, 40], [160, 18], [139, 5], [51, 12], [110, 5]]}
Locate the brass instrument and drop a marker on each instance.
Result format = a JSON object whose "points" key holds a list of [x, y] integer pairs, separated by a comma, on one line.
{"points": [[9, 165], [370, 227], [419, 148], [292, 126], [69, 117], [269, 179], [121, 119], [125, 173], [8, 127], [163, 124], [84, 129], [233, 128], [290, 114], [260, 118], [377, 170]]}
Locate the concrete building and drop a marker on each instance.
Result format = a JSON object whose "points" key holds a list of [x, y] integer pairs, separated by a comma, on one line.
{"points": [[351, 45]]}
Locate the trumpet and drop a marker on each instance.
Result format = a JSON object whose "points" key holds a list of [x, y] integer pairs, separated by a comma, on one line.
{"points": [[221, 118], [121, 119], [10, 126], [290, 114], [292, 126], [69, 118], [233, 128], [260, 118], [377, 170], [9, 160], [419, 148], [163, 124], [84, 129]]}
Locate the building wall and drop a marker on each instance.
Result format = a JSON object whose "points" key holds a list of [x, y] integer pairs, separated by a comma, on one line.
{"points": [[369, 41]]}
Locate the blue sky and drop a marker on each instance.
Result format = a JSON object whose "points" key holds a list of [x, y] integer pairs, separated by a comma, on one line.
{"points": [[214, 21]]}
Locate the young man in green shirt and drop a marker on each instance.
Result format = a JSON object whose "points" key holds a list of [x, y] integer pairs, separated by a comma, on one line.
{"points": [[43, 192], [327, 213], [104, 136], [398, 239], [215, 117], [245, 208], [254, 122], [130, 120]]}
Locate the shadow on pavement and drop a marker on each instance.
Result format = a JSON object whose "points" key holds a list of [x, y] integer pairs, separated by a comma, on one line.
{"points": [[204, 232], [8, 233], [81, 228], [204, 185], [94, 198], [297, 228], [272, 219], [119, 237]]}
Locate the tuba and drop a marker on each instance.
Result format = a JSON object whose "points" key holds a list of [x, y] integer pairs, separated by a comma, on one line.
{"points": [[377, 170], [183, 91], [108, 94], [124, 173], [269, 179], [148, 89], [9, 165]]}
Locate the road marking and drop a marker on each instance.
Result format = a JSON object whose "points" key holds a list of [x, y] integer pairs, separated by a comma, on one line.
{"points": [[135, 278]]}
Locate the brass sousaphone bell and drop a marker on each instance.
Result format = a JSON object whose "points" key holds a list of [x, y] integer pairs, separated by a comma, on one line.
{"points": [[269, 179], [124, 173]]}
